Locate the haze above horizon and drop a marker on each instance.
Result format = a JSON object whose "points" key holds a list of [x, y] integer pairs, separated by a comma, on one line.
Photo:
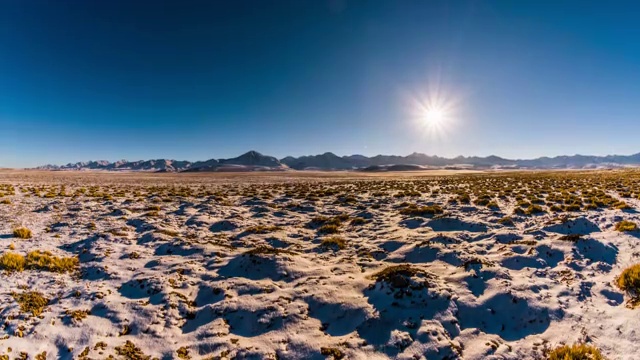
{"points": [[87, 80]]}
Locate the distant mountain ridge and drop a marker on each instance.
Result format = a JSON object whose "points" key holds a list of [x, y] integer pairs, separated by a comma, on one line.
{"points": [[255, 161]]}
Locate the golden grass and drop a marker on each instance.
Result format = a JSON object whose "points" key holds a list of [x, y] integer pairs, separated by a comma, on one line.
{"points": [[31, 301], [334, 242], [415, 210], [336, 353], [130, 351], [575, 352], [267, 250], [22, 233], [77, 315], [12, 262], [44, 260], [329, 229], [388, 273], [168, 232], [261, 229], [625, 225], [183, 353], [629, 280], [38, 260]]}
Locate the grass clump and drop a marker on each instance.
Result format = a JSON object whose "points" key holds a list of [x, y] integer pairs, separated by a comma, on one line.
{"points": [[183, 353], [334, 242], [336, 353], [5, 201], [152, 213], [625, 225], [534, 209], [168, 232], [571, 237], [130, 351], [415, 210], [22, 233], [44, 260], [261, 229], [78, 315], [358, 221], [266, 250], [323, 220], [38, 260], [12, 262], [397, 275], [493, 205], [31, 301], [575, 352], [329, 229], [629, 280]]}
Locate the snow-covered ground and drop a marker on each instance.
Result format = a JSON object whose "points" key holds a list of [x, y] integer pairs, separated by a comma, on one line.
{"points": [[182, 266]]}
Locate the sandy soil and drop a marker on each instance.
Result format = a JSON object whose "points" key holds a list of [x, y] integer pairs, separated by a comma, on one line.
{"points": [[320, 265]]}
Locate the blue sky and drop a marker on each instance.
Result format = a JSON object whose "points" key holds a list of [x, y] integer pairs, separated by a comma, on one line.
{"points": [[194, 80]]}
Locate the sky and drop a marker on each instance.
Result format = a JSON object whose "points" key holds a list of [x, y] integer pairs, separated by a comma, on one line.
{"points": [[194, 80]]}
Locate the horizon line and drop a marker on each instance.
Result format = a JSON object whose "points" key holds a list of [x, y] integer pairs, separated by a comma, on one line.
{"points": [[329, 152]]}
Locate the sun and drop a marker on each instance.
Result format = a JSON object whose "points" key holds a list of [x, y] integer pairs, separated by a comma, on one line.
{"points": [[435, 116], [433, 112]]}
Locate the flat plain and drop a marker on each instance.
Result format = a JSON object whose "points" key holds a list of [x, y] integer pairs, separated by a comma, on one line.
{"points": [[312, 265]]}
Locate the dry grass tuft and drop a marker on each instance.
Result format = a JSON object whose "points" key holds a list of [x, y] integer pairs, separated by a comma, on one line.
{"points": [[575, 352], [334, 242], [397, 275], [415, 210], [38, 260], [337, 354], [629, 280], [261, 229], [329, 229], [625, 225], [130, 351], [44, 260], [31, 301], [78, 315], [12, 262], [266, 250], [22, 233], [571, 237], [183, 353]]}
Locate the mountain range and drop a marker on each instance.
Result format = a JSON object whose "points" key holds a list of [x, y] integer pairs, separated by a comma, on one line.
{"points": [[255, 161]]}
